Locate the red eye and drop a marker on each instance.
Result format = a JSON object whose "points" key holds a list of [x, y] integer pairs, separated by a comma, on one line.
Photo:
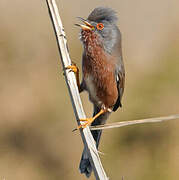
{"points": [[100, 26]]}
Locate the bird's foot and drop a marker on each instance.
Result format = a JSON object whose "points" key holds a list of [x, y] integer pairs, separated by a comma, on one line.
{"points": [[87, 121], [73, 68]]}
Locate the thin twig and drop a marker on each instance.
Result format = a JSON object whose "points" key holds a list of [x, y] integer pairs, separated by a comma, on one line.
{"points": [[141, 121], [73, 91]]}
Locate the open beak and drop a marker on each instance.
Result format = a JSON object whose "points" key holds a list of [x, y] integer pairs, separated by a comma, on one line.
{"points": [[86, 25]]}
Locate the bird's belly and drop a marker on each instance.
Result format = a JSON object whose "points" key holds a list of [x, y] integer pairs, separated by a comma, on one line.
{"points": [[92, 90], [99, 78], [102, 92]]}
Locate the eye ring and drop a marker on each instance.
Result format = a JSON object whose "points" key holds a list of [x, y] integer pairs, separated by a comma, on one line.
{"points": [[100, 26]]}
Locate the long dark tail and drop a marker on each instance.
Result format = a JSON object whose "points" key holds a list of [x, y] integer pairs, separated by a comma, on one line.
{"points": [[85, 166]]}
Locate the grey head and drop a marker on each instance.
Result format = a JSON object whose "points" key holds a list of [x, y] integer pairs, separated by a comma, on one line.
{"points": [[100, 14], [103, 20]]}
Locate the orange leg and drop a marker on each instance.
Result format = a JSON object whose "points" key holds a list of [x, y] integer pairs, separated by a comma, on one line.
{"points": [[88, 121], [74, 68]]}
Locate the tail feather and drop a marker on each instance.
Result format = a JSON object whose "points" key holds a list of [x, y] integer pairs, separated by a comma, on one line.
{"points": [[85, 166]]}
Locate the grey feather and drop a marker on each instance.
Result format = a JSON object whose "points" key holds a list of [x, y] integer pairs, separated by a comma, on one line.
{"points": [[102, 13]]}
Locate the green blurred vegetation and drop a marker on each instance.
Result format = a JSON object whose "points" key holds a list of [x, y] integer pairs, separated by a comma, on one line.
{"points": [[36, 116]]}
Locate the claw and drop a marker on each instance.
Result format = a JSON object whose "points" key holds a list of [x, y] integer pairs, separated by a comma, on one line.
{"points": [[74, 130], [72, 68], [89, 120], [87, 123]]}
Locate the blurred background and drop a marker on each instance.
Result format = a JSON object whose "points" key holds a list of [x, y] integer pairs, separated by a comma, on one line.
{"points": [[36, 115]]}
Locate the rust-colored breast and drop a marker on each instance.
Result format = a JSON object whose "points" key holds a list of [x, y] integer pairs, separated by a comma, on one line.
{"points": [[99, 74]]}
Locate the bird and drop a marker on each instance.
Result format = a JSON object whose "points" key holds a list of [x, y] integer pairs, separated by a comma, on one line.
{"points": [[103, 73]]}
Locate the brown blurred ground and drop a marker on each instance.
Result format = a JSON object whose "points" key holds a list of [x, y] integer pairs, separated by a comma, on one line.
{"points": [[36, 116]]}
